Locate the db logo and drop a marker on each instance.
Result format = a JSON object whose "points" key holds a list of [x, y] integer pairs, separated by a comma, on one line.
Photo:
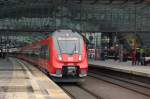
{"points": [[70, 58]]}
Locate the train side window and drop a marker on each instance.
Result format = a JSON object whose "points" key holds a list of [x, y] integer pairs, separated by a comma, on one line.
{"points": [[45, 52], [46, 49], [42, 55]]}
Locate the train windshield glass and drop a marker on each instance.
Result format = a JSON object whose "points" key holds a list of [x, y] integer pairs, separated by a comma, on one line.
{"points": [[70, 45]]}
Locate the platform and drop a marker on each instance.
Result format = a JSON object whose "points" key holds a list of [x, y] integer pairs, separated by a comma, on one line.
{"points": [[20, 80], [122, 67]]}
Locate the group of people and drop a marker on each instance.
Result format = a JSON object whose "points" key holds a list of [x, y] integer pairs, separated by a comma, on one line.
{"points": [[137, 57]]}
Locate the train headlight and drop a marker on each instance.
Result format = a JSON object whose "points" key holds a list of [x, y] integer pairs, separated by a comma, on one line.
{"points": [[80, 57], [58, 72], [60, 58], [83, 73]]}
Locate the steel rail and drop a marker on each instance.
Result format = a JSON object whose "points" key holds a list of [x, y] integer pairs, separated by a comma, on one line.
{"points": [[122, 82]]}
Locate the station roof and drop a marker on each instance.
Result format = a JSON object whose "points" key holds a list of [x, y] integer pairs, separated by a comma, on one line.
{"points": [[22, 16], [83, 15], [40, 8]]}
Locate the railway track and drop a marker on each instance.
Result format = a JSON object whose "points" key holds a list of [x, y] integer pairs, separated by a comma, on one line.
{"points": [[133, 85], [75, 88], [76, 91], [81, 91]]}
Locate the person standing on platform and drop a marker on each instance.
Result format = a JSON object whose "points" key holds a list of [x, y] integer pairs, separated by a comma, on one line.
{"points": [[143, 58], [133, 55], [121, 53], [125, 56], [116, 56], [138, 56], [105, 53]]}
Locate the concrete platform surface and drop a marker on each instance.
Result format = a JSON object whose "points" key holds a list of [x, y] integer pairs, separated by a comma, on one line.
{"points": [[123, 67], [21, 80]]}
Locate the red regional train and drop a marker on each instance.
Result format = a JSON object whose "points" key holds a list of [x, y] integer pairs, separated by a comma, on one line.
{"points": [[62, 55]]}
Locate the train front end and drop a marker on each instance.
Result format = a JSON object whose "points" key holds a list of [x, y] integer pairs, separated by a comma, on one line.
{"points": [[69, 56]]}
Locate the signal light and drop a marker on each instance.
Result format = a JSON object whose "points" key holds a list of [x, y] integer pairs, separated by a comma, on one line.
{"points": [[80, 57], [60, 58]]}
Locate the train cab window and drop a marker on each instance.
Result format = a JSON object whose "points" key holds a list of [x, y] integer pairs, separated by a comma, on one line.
{"points": [[69, 45], [45, 52]]}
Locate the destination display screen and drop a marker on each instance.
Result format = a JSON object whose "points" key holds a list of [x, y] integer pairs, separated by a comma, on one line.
{"points": [[67, 38]]}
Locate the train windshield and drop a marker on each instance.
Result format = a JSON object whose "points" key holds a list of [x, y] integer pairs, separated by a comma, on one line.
{"points": [[69, 45]]}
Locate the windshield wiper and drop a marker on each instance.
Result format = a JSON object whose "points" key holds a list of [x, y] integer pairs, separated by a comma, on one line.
{"points": [[59, 47], [75, 48]]}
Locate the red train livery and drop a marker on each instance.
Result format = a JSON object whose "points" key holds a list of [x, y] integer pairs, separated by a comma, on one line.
{"points": [[63, 55]]}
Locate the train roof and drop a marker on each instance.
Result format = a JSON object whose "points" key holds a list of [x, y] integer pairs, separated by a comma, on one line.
{"points": [[66, 33]]}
